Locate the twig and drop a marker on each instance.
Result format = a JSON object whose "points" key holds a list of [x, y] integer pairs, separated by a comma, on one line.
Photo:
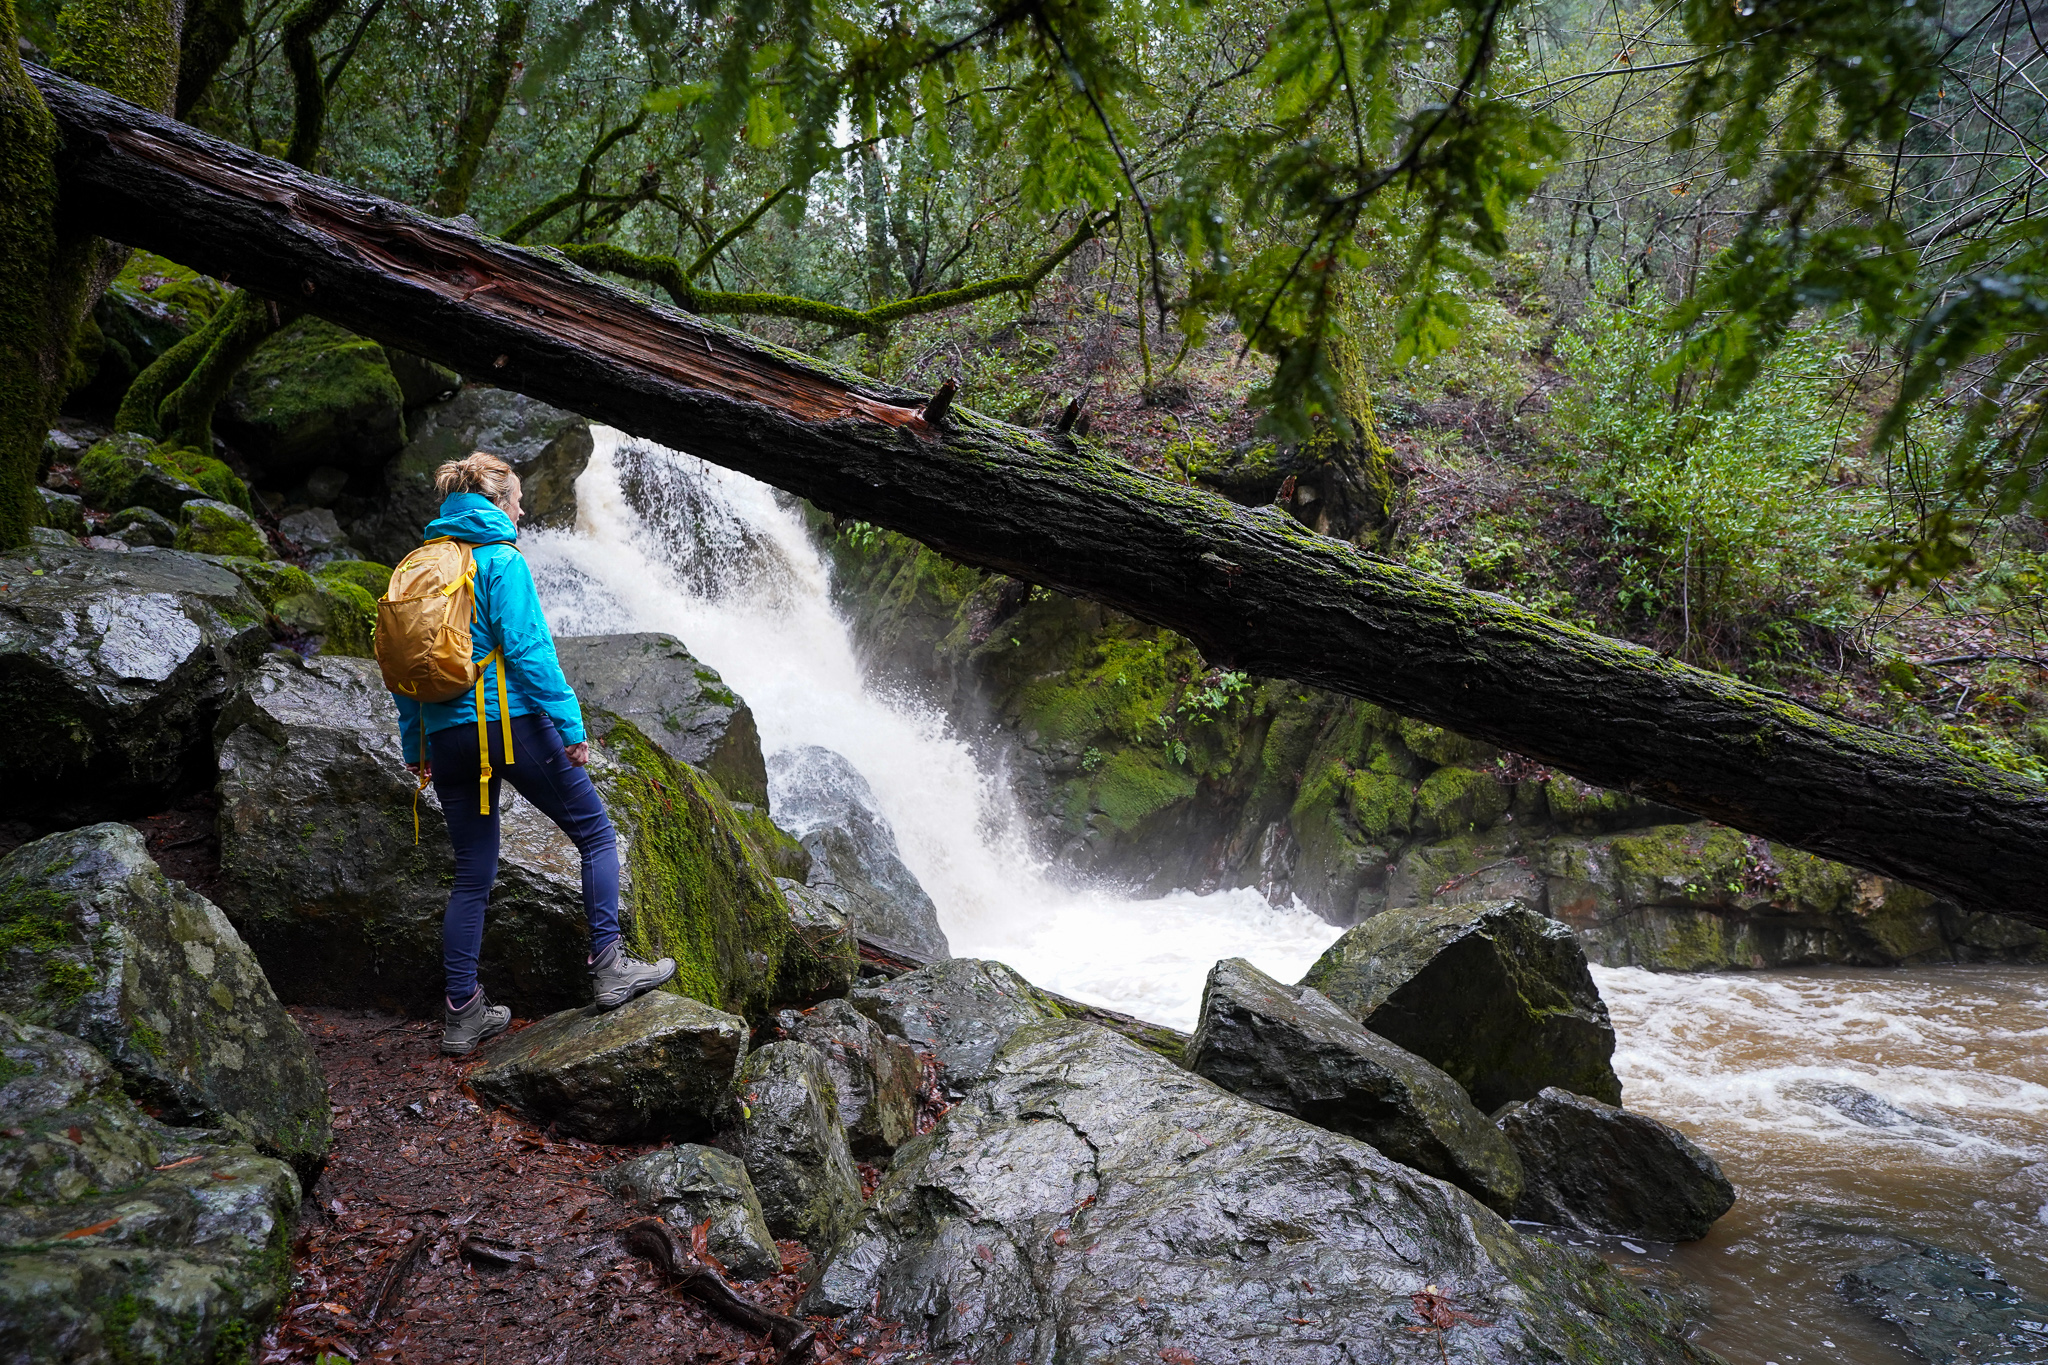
{"points": [[391, 1286]]}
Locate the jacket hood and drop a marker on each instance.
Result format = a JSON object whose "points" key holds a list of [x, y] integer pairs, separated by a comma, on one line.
{"points": [[472, 517]]}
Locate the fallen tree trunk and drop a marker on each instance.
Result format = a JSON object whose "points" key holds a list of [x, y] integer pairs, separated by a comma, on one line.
{"points": [[1250, 586]]}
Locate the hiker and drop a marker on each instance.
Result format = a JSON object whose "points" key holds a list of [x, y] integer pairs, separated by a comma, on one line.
{"points": [[530, 717]]}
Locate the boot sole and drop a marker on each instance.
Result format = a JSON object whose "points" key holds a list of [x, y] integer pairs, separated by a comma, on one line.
{"points": [[606, 1004]]}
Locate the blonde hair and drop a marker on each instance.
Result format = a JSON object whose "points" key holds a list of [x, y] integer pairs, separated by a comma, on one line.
{"points": [[479, 473]]}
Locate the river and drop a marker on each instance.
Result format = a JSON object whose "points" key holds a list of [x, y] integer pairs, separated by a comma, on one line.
{"points": [[1763, 1069]]}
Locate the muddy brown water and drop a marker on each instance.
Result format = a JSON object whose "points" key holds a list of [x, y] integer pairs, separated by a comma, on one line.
{"points": [[1849, 1106]]}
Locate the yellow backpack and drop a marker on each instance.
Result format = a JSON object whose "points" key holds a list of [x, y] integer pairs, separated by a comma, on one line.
{"points": [[424, 644]]}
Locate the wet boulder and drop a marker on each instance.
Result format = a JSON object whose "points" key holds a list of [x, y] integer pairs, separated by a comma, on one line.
{"points": [[113, 670], [546, 446], [795, 1146], [874, 1076], [210, 527], [960, 1010], [1288, 1048], [106, 948], [314, 395], [824, 801], [1092, 1202], [63, 512], [1952, 1309], [675, 700], [658, 1064], [136, 527], [122, 1238], [688, 1185], [324, 876], [328, 877], [328, 613], [318, 535], [825, 957], [128, 471], [1495, 993], [1594, 1167]]}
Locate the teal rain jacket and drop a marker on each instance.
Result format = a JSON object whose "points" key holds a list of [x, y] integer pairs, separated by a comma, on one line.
{"points": [[508, 619]]}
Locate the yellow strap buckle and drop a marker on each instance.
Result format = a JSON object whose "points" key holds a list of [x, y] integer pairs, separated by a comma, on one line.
{"points": [[483, 731]]}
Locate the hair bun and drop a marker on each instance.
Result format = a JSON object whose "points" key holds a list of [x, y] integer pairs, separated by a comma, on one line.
{"points": [[477, 473]]}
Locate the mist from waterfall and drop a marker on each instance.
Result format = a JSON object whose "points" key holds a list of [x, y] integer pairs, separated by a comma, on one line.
{"points": [[666, 542]]}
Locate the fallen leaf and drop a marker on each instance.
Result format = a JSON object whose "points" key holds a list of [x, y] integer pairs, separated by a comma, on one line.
{"points": [[87, 1232]]}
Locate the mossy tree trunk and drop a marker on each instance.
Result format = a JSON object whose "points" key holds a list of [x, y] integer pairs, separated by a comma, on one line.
{"points": [[51, 273], [1252, 587], [486, 104]]}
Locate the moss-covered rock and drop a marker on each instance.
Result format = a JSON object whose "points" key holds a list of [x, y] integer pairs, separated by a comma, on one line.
{"points": [[97, 942], [373, 579], [794, 1145], [335, 613], [139, 526], [63, 512], [113, 669], [314, 395], [208, 527], [150, 306], [120, 1238], [127, 471]]}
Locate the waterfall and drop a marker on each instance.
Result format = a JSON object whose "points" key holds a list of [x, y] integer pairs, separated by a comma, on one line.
{"points": [[666, 542], [1850, 1107]]}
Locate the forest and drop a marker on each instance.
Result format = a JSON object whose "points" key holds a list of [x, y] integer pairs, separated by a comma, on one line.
{"points": [[1534, 501], [1707, 330]]}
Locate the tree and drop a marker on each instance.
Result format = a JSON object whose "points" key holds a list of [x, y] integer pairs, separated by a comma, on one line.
{"points": [[1251, 587]]}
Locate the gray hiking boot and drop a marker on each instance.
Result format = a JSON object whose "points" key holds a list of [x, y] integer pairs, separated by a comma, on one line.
{"points": [[618, 978], [463, 1029]]}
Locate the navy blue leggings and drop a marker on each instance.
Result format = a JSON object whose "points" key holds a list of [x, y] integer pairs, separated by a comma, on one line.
{"points": [[559, 790]]}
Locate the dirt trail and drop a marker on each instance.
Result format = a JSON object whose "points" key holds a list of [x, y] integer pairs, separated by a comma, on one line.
{"points": [[413, 1151]]}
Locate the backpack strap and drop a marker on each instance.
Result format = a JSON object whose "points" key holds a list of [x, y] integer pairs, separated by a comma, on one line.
{"points": [[483, 730]]}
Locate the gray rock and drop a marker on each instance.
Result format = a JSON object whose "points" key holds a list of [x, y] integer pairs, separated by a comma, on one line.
{"points": [[113, 668], [139, 526], [960, 1010], [1856, 1104], [794, 1145], [319, 535], [1093, 1203], [63, 511], [660, 1064], [1594, 1167], [675, 700], [1953, 1310], [325, 484], [831, 961], [1495, 993], [688, 1185], [50, 538], [122, 1238], [874, 1076], [547, 446], [1288, 1048], [108, 949], [824, 801], [323, 874]]}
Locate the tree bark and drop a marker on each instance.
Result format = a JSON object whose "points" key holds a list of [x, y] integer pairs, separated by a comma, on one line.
{"points": [[1251, 587]]}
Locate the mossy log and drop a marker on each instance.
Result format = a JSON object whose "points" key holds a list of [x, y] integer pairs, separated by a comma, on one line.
{"points": [[1252, 587]]}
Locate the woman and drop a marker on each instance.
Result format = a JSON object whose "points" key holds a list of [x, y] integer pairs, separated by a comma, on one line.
{"points": [[480, 507]]}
